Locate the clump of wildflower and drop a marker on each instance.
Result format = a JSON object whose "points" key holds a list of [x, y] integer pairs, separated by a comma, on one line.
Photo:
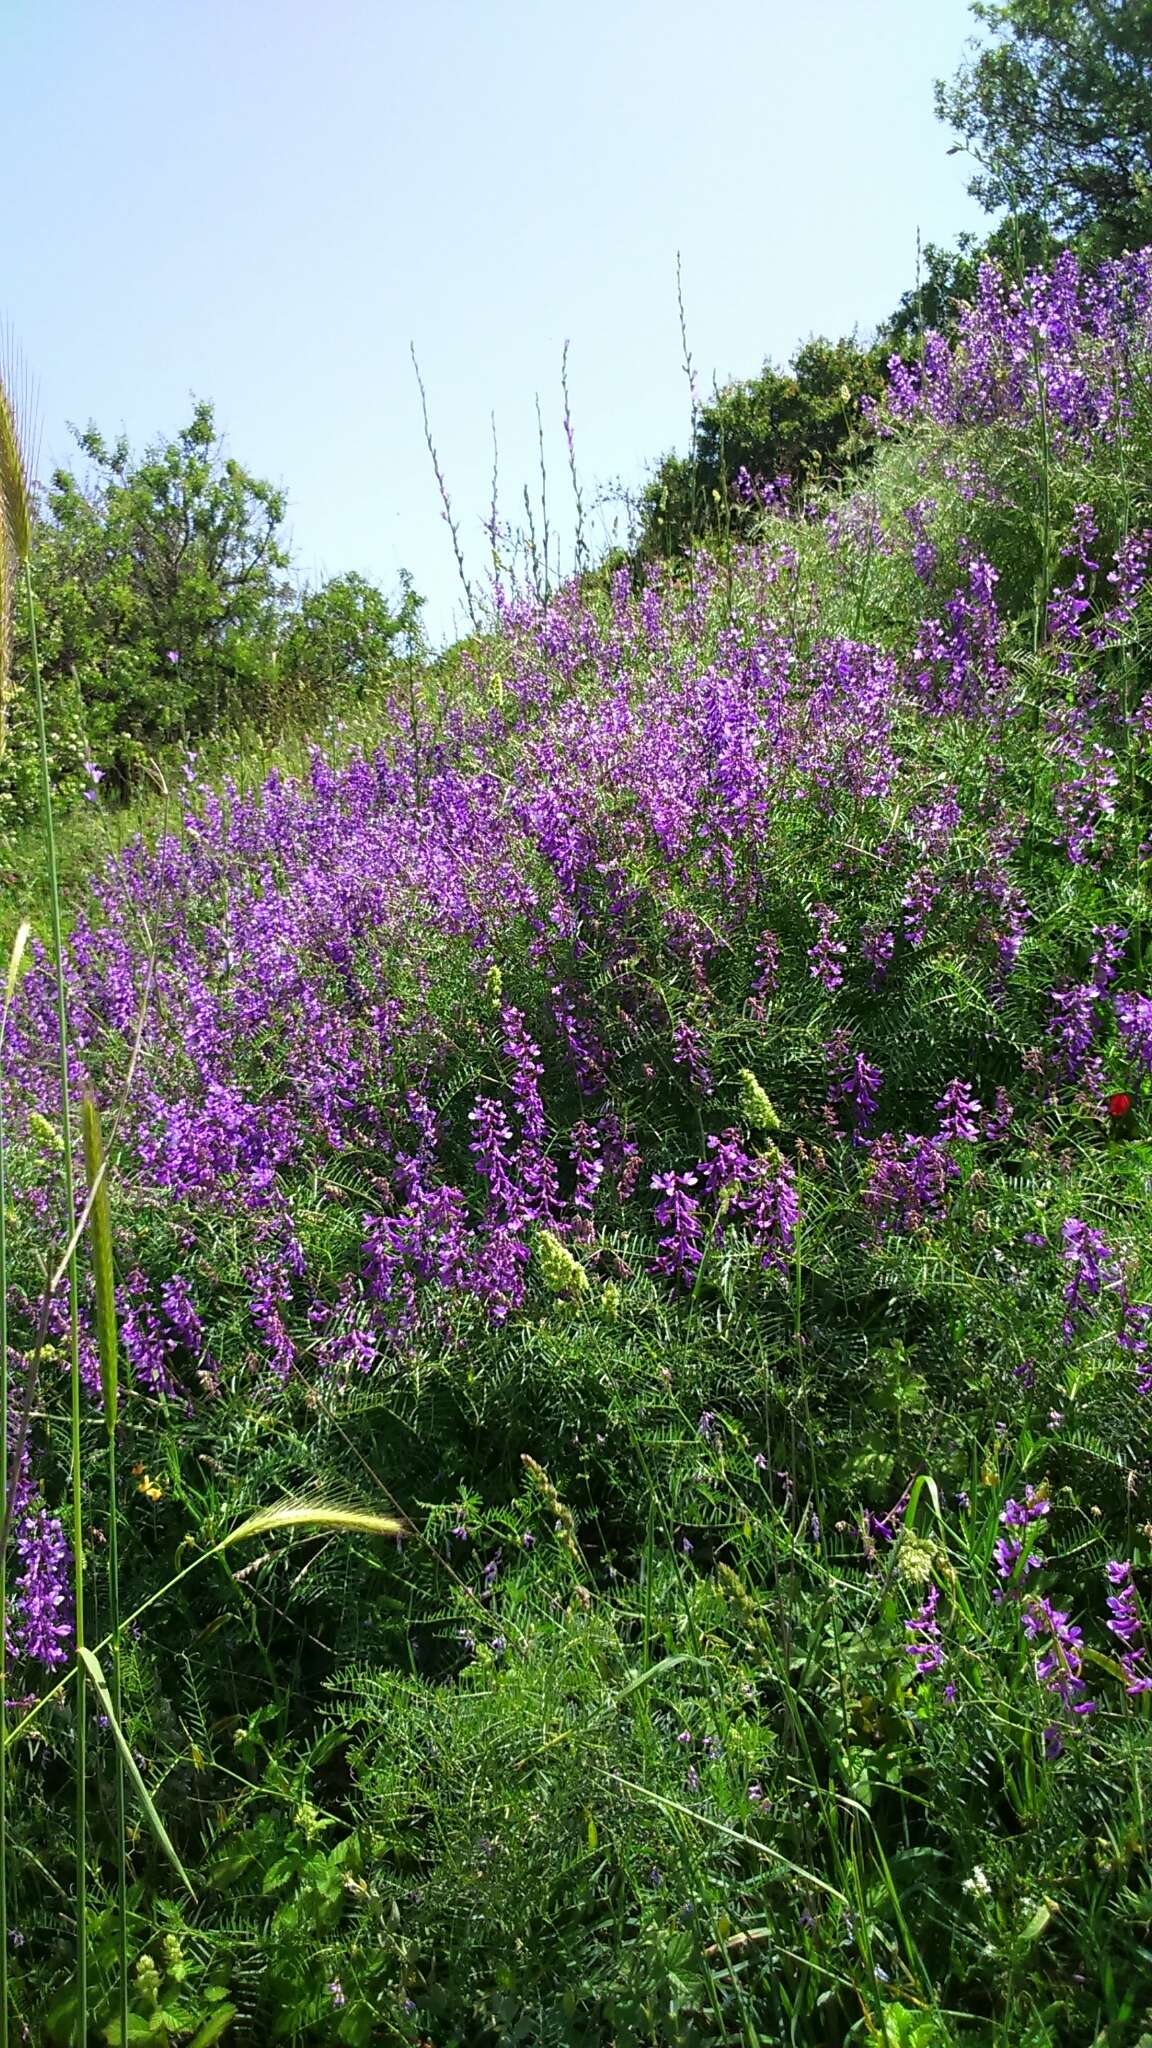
{"points": [[855, 1082], [1109, 951], [925, 553], [917, 904], [1072, 1025], [42, 1595], [907, 1181], [998, 1119], [1093, 1268], [1132, 1336], [1134, 1023], [1125, 1623], [1129, 577], [147, 1340], [688, 1050], [828, 954], [876, 950], [959, 1112], [1059, 1660], [926, 1648], [767, 964], [1012, 1559], [678, 1214], [584, 1152], [180, 1313]]}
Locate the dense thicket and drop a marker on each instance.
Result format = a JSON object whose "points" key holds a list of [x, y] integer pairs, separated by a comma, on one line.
{"points": [[1056, 110], [679, 1132], [666, 1132]]}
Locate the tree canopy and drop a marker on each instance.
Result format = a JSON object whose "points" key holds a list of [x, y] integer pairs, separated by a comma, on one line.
{"points": [[1057, 112]]}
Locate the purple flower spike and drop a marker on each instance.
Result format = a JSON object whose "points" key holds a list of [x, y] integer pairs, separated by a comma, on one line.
{"points": [[961, 1112]]}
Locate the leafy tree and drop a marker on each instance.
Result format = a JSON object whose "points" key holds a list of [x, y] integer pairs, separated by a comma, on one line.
{"points": [[1057, 110], [344, 638], [801, 422], [161, 589]]}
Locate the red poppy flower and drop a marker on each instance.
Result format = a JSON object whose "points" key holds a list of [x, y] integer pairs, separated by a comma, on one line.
{"points": [[1119, 1105]]}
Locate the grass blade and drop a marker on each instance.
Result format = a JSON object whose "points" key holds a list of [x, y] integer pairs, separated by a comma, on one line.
{"points": [[15, 960], [100, 1237], [96, 1680]]}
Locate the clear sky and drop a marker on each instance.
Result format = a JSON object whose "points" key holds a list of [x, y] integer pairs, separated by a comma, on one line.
{"points": [[263, 202]]}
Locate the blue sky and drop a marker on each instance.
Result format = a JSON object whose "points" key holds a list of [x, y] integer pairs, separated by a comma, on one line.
{"points": [[263, 203]]}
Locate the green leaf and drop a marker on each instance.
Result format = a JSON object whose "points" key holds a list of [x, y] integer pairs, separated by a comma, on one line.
{"points": [[138, 2030], [96, 1680], [1045, 1912], [214, 2027], [278, 1873]]}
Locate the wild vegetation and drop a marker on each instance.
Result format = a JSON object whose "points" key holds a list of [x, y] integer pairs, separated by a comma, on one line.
{"points": [[577, 1279]]}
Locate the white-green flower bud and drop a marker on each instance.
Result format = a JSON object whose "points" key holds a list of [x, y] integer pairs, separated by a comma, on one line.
{"points": [[755, 1106]]}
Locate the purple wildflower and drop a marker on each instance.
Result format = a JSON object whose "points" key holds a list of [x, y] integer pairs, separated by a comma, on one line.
{"points": [[42, 1594], [960, 1112], [907, 1181], [876, 950], [1125, 1623], [1072, 1026], [1093, 1268], [688, 1050], [1059, 1661], [678, 1214], [998, 1119], [1134, 1023], [1013, 1561], [828, 954], [855, 1082], [926, 1648], [1111, 940], [917, 904]]}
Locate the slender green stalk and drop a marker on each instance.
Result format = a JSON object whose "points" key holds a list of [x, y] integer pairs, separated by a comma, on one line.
{"points": [[13, 509], [100, 1237], [19, 944], [3, 1569], [73, 1320]]}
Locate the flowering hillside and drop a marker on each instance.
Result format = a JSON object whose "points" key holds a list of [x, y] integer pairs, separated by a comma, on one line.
{"points": [[673, 1130]]}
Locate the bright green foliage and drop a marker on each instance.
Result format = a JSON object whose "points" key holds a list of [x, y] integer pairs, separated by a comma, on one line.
{"points": [[1057, 111], [804, 422]]}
